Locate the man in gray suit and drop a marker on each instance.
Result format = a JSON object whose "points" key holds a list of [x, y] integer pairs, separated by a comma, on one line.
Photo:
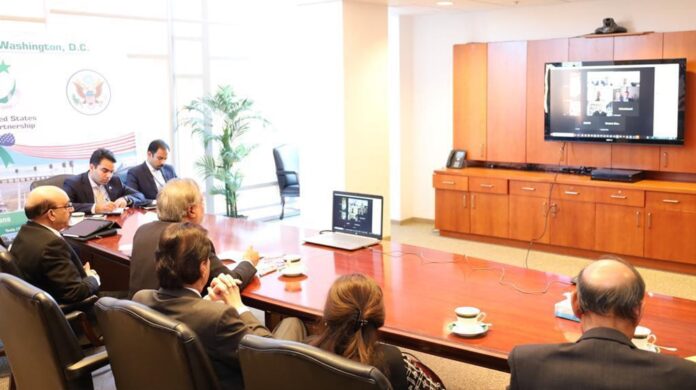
{"points": [[609, 302], [183, 267], [179, 201]]}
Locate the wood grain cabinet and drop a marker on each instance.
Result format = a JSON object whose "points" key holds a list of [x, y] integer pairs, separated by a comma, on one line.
{"points": [[529, 210], [489, 206], [572, 221], [619, 221], [451, 203], [469, 96], [670, 226]]}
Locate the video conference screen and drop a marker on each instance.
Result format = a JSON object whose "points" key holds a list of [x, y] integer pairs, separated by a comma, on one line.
{"points": [[358, 214], [620, 101]]}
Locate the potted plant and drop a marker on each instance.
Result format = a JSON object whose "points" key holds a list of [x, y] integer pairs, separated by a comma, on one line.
{"points": [[234, 117]]}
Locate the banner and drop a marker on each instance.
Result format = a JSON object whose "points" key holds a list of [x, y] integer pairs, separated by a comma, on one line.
{"points": [[60, 99]]}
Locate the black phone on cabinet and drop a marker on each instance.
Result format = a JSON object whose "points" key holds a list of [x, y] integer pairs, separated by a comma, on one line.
{"points": [[456, 159]]}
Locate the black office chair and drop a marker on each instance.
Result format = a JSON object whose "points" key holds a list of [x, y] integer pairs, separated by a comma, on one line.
{"points": [[56, 180], [148, 350], [43, 351], [75, 312], [287, 165], [301, 366]]}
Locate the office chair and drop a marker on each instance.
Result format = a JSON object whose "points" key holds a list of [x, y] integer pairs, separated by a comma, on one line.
{"points": [[56, 180], [75, 312], [148, 350], [301, 366], [287, 167], [43, 351]]}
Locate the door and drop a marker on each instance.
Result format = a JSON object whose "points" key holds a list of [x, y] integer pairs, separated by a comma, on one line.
{"points": [[489, 214], [451, 211], [572, 224], [528, 218], [619, 229]]}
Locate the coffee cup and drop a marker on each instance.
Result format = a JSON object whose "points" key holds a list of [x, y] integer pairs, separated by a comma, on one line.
{"points": [[77, 217], [469, 315], [293, 263], [643, 338]]}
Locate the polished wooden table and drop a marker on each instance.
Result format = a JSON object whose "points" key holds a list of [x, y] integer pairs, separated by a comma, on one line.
{"points": [[421, 288]]}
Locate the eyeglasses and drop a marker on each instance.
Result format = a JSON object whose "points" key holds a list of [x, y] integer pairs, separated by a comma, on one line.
{"points": [[68, 205]]}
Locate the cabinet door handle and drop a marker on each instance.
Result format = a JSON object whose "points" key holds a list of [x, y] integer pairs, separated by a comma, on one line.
{"points": [[482, 149], [544, 209], [473, 201], [447, 182], [528, 189], [666, 158], [464, 200], [673, 201], [483, 185], [637, 219], [618, 196], [649, 220], [571, 193]]}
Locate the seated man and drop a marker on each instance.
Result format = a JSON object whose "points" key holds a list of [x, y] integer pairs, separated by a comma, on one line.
{"points": [[183, 267], [609, 302], [98, 190], [43, 256], [150, 176], [179, 201]]}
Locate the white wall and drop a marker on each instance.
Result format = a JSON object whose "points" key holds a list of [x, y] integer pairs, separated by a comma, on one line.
{"points": [[429, 127]]}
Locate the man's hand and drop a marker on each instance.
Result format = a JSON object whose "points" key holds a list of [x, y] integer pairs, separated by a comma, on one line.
{"points": [[104, 207], [226, 288], [251, 255], [91, 272], [121, 203]]}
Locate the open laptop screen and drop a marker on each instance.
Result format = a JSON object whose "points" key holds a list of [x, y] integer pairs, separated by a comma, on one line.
{"points": [[359, 214]]}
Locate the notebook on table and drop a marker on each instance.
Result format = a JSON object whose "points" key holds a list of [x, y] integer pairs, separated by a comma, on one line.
{"points": [[356, 222]]}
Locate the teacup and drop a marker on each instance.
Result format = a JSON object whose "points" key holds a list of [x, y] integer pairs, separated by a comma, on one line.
{"points": [[643, 338], [77, 217], [293, 263], [469, 315]]}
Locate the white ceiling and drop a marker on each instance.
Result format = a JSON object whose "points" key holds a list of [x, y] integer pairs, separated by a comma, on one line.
{"points": [[430, 6]]}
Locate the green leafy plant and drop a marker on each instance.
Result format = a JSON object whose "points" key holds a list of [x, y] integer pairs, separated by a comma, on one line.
{"points": [[235, 117]]}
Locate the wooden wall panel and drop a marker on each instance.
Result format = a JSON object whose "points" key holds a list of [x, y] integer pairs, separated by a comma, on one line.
{"points": [[470, 99], [683, 158], [538, 54], [637, 47], [589, 49], [507, 97]]}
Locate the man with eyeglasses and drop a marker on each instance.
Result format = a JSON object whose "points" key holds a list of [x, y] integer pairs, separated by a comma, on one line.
{"points": [[98, 191], [43, 256]]}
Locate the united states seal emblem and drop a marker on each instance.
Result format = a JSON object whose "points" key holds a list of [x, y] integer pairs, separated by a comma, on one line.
{"points": [[88, 92]]}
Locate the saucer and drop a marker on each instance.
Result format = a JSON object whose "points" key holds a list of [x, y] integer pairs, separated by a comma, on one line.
{"points": [[651, 348], [474, 330], [292, 271]]}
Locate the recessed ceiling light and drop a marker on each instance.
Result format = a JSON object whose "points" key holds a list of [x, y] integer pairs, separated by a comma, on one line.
{"points": [[443, 3]]}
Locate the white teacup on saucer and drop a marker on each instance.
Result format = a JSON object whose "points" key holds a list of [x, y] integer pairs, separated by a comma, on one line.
{"points": [[293, 265], [643, 338], [76, 217], [469, 315]]}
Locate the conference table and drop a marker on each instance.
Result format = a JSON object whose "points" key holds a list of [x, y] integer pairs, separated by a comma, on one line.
{"points": [[422, 287]]}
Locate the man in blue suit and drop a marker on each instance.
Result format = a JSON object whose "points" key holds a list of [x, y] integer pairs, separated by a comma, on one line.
{"points": [[98, 190], [150, 176]]}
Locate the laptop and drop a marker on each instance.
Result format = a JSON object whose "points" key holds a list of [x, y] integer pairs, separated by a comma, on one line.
{"points": [[357, 222]]}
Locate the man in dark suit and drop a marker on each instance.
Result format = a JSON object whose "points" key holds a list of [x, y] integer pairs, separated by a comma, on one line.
{"points": [[98, 190], [150, 176], [43, 256], [179, 201], [183, 268], [609, 302]]}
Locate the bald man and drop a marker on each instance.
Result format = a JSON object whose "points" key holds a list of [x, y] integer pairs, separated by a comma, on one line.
{"points": [[43, 256], [609, 302]]}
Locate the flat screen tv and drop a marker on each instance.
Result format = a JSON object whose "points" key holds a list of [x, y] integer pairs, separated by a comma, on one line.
{"points": [[641, 101]]}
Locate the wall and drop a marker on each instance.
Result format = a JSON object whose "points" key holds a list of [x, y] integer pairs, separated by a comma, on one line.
{"points": [[431, 52]]}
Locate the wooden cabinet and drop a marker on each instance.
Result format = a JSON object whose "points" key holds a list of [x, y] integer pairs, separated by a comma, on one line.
{"points": [[469, 98], [619, 229], [506, 101], [452, 211], [489, 214], [683, 158], [670, 227], [572, 224], [528, 218]]}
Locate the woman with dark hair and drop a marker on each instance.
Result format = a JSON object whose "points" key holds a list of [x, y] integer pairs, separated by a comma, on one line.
{"points": [[353, 313]]}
